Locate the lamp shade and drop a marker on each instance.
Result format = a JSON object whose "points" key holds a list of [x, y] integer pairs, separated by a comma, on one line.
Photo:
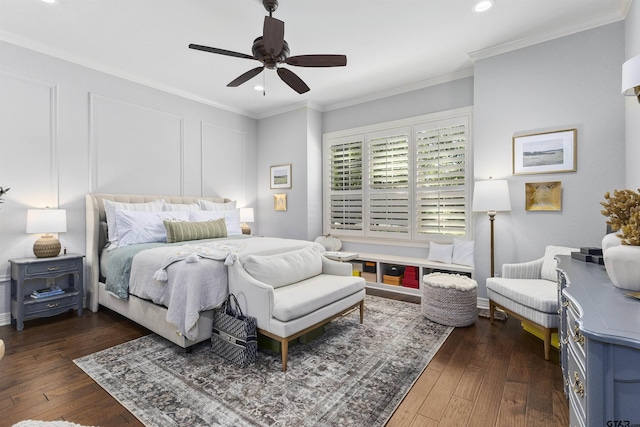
{"points": [[246, 215], [46, 220], [491, 195], [631, 76]]}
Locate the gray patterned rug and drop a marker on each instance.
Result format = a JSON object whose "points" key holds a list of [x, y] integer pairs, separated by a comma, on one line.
{"points": [[353, 375]]}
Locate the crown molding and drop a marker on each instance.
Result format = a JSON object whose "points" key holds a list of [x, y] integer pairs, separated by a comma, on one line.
{"points": [[402, 89], [589, 24]]}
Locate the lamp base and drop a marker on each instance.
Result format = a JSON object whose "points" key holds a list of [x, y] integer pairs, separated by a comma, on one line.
{"points": [[46, 246], [245, 228]]}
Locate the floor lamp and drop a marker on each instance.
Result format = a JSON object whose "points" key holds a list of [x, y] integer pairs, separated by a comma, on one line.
{"points": [[491, 196]]}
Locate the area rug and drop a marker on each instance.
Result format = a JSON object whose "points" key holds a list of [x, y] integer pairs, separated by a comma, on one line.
{"points": [[352, 375]]}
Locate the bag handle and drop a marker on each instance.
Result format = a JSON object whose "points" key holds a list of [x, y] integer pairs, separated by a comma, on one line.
{"points": [[229, 305]]}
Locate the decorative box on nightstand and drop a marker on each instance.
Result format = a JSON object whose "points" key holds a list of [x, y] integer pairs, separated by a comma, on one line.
{"points": [[31, 274]]}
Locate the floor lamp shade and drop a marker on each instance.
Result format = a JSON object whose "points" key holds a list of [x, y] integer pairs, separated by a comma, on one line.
{"points": [[491, 196], [45, 221], [631, 77]]}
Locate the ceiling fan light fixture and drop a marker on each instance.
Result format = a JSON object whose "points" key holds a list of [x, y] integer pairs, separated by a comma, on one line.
{"points": [[483, 5]]}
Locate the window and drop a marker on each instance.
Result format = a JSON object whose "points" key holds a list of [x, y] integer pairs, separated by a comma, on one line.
{"points": [[406, 180]]}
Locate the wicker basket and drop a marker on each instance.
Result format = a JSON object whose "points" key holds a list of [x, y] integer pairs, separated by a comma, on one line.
{"points": [[450, 299]]}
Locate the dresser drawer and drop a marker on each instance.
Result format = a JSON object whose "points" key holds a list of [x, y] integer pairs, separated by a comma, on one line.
{"points": [[577, 383], [61, 266], [54, 304], [575, 338]]}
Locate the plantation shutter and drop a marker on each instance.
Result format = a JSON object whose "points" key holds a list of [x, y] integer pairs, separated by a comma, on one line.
{"points": [[441, 177], [388, 184], [345, 191]]}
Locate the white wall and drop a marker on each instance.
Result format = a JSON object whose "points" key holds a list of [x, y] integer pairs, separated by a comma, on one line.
{"points": [[571, 82], [632, 107], [66, 130], [291, 138]]}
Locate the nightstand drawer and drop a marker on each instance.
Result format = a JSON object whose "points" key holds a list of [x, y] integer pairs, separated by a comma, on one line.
{"points": [[55, 304], [61, 266]]}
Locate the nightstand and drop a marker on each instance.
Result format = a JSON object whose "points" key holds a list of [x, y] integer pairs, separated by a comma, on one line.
{"points": [[30, 274]]}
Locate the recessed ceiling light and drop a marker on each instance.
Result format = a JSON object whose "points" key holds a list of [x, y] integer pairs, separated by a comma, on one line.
{"points": [[483, 5], [258, 87], [49, 1]]}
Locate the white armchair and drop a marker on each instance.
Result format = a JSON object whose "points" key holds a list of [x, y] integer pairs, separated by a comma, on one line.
{"points": [[528, 291]]}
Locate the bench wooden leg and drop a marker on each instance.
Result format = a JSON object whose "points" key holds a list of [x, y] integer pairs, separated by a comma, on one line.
{"points": [[284, 349], [361, 311]]}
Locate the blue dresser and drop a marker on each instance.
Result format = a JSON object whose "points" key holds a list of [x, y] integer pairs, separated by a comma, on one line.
{"points": [[600, 346]]}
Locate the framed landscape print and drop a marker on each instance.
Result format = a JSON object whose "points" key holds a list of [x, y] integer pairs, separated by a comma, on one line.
{"points": [[280, 176], [549, 152]]}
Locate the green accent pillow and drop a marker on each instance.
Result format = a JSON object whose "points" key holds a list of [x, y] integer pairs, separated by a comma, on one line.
{"points": [[180, 231]]}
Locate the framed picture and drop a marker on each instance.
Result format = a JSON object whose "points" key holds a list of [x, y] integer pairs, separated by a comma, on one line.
{"points": [[543, 196], [280, 201], [549, 152], [280, 176]]}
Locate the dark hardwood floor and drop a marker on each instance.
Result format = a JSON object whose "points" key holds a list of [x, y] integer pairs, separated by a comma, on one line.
{"points": [[483, 375]]}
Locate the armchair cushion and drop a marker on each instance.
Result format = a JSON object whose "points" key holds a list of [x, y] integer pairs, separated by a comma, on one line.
{"points": [[538, 294], [285, 268]]}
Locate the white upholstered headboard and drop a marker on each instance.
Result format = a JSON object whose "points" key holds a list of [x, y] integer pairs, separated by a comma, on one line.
{"points": [[96, 231]]}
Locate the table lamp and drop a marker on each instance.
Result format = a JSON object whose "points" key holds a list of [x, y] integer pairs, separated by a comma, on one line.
{"points": [[246, 215], [46, 221], [491, 196], [631, 77]]}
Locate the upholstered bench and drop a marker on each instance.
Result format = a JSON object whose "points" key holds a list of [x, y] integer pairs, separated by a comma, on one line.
{"points": [[294, 292], [450, 299]]}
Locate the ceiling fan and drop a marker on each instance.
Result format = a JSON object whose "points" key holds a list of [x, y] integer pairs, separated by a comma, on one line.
{"points": [[272, 49]]}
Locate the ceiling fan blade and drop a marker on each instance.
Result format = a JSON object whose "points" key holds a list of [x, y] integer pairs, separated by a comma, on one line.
{"points": [[317, 60], [292, 80], [246, 76], [273, 35], [220, 51]]}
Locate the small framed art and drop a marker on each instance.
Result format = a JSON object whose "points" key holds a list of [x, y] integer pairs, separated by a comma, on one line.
{"points": [[543, 196], [280, 176], [549, 152], [280, 201]]}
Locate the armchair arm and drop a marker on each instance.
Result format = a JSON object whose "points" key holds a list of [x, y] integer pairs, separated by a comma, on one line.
{"points": [[255, 298], [523, 270], [336, 268]]}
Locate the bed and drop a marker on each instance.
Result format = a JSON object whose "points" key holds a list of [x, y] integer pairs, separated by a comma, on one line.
{"points": [[141, 309]]}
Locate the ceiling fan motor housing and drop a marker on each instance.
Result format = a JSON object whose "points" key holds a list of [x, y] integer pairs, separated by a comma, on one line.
{"points": [[261, 54]]}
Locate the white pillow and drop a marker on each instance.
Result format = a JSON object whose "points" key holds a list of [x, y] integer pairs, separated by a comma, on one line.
{"points": [[549, 263], [441, 253], [206, 205], [231, 218], [463, 252], [110, 208], [136, 227], [181, 207]]}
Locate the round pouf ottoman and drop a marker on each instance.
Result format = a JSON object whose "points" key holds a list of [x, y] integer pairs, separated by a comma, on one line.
{"points": [[450, 299]]}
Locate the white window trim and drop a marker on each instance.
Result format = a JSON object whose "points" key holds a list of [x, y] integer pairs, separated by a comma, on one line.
{"points": [[363, 132]]}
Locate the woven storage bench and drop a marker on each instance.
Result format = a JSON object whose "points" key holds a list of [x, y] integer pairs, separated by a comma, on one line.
{"points": [[450, 299]]}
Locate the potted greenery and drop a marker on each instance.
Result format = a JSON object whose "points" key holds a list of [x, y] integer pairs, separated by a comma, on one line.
{"points": [[623, 261]]}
